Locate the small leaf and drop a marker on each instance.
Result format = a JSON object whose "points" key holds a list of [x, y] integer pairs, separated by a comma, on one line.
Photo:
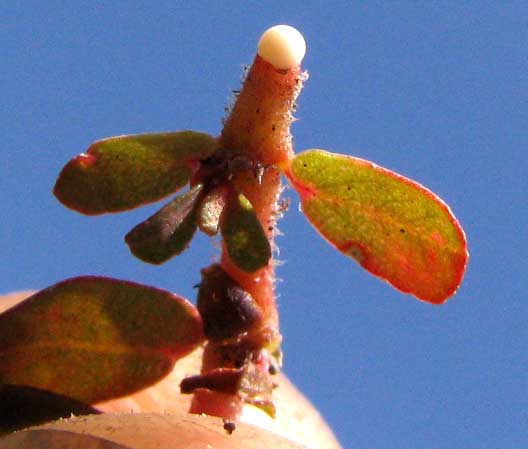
{"points": [[244, 237], [169, 231], [211, 210], [394, 227], [124, 172], [22, 407], [223, 380], [94, 338]]}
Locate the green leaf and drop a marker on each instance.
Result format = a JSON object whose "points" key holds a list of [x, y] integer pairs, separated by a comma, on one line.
{"points": [[394, 227], [93, 338], [124, 172], [21, 407], [169, 231], [246, 241]]}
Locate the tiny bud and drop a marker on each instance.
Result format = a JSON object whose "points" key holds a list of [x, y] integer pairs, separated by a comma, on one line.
{"points": [[227, 310], [282, 46]]}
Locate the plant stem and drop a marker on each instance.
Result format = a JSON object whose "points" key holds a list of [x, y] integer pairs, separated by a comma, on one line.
{"points": [[257, 130]]}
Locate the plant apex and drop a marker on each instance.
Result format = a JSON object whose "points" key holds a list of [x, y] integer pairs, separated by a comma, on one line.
{"points": [[282, 46]]}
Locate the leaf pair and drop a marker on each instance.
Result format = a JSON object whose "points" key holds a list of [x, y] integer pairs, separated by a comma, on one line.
{"points": [[125, 172], [394, 227], [169, 231]]}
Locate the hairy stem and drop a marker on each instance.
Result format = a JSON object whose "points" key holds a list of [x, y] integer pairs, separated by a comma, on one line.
{"points": [[257, 131]]}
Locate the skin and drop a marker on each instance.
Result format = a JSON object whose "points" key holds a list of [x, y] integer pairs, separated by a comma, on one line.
{"points": [[160, 413]]}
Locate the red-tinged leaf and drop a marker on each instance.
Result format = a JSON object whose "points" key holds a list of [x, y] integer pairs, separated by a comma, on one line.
{"points": [[246, 241], [394, 227], [169, 231], [94, 338], [124, 172]]}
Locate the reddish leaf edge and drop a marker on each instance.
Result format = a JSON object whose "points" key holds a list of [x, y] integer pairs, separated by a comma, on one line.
{"points": [[83, 158], [305, 191], [90, 157]]}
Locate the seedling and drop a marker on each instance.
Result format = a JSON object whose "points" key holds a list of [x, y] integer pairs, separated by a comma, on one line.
{"points": [[90, 339]]}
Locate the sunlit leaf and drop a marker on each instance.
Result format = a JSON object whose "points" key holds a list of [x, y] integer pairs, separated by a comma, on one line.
{"points": [[124, 172], [244, 237], [22, 407], [394, 227], [93, 338], [169, 231]]}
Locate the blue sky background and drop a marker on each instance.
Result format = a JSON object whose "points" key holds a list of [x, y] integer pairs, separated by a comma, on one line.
{"points": [[434, 90]]}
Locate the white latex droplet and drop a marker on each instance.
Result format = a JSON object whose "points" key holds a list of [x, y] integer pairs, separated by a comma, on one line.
{"points": [[282, 46]]}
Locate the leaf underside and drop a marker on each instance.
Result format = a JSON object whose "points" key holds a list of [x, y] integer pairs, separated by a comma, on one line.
{"points": [[94, 338], [394, 227], [169, 231], [125, 172]]}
